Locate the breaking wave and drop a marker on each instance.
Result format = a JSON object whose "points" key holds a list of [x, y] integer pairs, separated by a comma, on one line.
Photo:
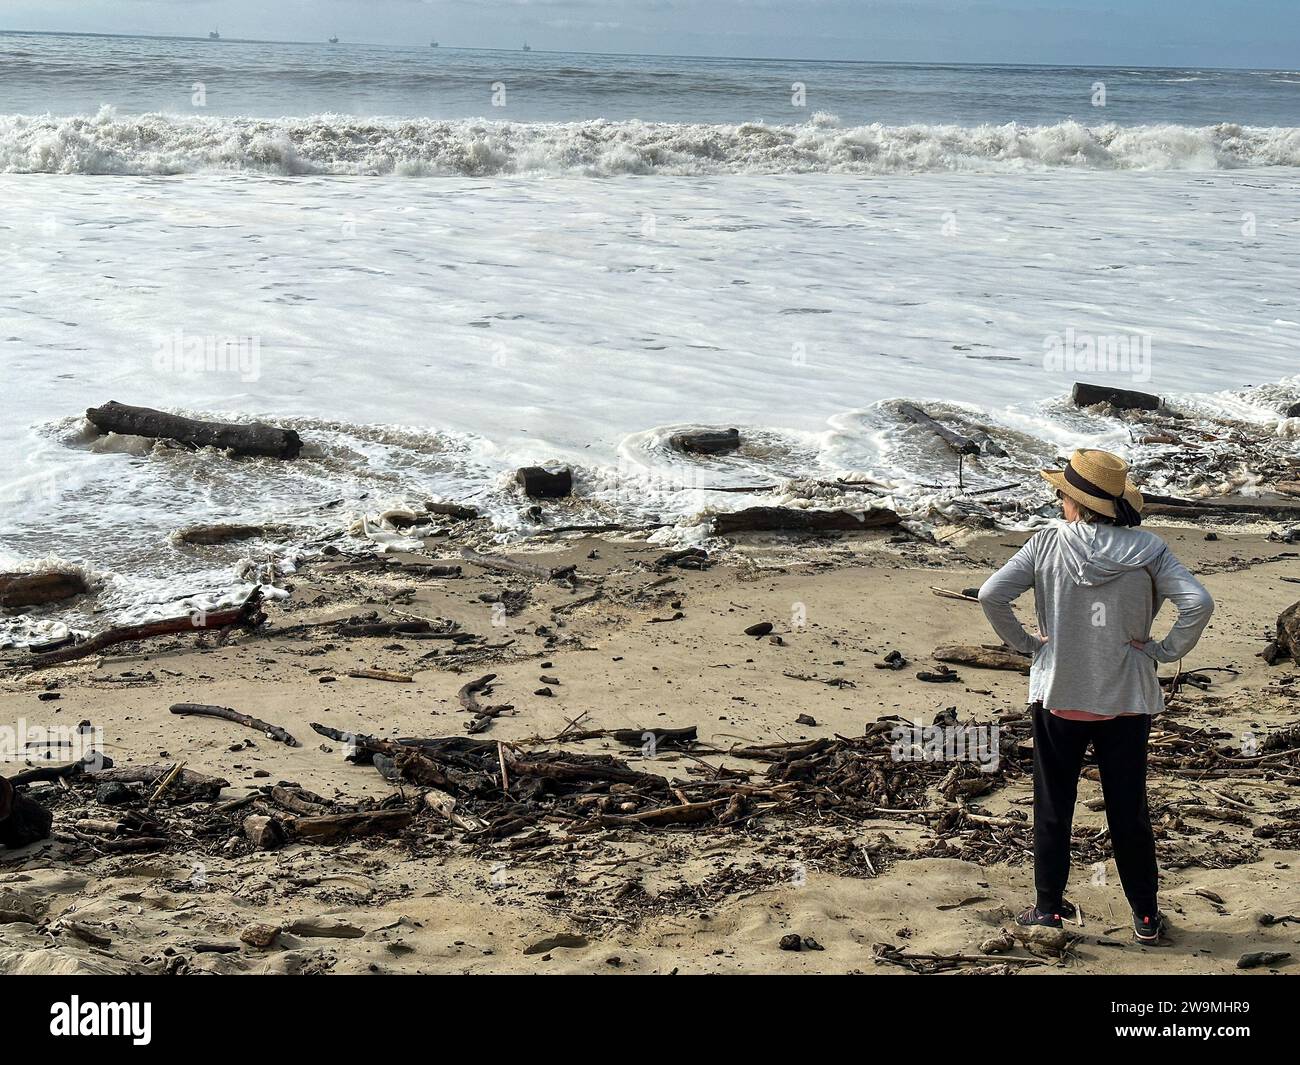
{"points": [[105, 143]]}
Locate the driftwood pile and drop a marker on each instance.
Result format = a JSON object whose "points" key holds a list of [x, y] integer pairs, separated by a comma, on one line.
{"points": [[496, 791], [1206, 463], [147, 808], [513, 794]]}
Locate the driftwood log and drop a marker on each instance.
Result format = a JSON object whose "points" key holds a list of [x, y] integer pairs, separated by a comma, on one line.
{"points": [[209, 535], [706, 441], [788, 519], [382, 674], [187, 783], [517, 568], [1278, 508], [246, 616], [976, 444], [274, 732], [539, 483], [430, 569], [299, 801], [336, 826], [33, 589], [1085, 395], [663, 737], [961, 444], [253, 438], [385, 628], [982, 657]]}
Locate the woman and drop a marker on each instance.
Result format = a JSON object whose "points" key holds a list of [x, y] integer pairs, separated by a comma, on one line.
{"points": [[1098, 582]]}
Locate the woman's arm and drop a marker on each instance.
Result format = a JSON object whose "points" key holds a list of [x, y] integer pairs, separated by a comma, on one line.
{"points": [[998, 592], [1174, 582]]}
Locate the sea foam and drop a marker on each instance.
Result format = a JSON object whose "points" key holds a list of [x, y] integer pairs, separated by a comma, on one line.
{"points": [[106, 143]]}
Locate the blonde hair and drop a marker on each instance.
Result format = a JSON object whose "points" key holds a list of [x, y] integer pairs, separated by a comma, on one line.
{"points": [[1086, 513]]}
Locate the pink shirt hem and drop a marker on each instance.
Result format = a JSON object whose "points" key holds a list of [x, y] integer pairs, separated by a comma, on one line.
{"points": [[1085, 715]]}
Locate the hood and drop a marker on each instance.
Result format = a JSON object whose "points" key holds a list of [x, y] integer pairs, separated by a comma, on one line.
{"points": [[1095, 554]]}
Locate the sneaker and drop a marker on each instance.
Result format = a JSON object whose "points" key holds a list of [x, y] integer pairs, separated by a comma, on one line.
{"points": [[1035, 916], [1149, 929]]}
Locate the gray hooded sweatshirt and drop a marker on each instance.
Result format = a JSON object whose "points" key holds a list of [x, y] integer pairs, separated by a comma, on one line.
{"points": [[1096, 587]]}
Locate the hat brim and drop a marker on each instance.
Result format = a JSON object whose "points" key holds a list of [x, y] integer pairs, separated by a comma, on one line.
{"points": [[1056, 478]]}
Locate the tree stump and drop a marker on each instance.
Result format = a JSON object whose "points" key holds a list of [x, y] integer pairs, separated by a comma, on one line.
{"points": [[539, 483], [1085, 395]]}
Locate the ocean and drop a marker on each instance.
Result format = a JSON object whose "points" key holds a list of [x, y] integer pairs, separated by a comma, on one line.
{"points": [[442, 264]]}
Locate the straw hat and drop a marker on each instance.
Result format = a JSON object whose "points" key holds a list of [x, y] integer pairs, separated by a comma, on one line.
{"points": [[1099, 480]]}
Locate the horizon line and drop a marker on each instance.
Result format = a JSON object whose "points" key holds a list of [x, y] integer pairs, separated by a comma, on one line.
{"points": [[631, 55]]}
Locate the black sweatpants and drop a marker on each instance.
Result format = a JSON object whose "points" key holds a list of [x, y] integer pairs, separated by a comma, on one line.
{"points": [[1120, 747]]}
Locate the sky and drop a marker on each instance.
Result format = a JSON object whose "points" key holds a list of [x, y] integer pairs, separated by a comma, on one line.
{"points": [[1219, 33]]}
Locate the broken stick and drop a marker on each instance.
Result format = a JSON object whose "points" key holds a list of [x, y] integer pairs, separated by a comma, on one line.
{"points": [[483, 715], [274, 732]]}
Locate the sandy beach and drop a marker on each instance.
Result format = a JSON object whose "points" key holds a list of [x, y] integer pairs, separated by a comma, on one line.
{"points": [[627, 644], [589, 488]]}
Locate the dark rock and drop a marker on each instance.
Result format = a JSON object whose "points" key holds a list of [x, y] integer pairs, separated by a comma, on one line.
{"points": [[114, 793], [22, 820], [260, 935]]}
